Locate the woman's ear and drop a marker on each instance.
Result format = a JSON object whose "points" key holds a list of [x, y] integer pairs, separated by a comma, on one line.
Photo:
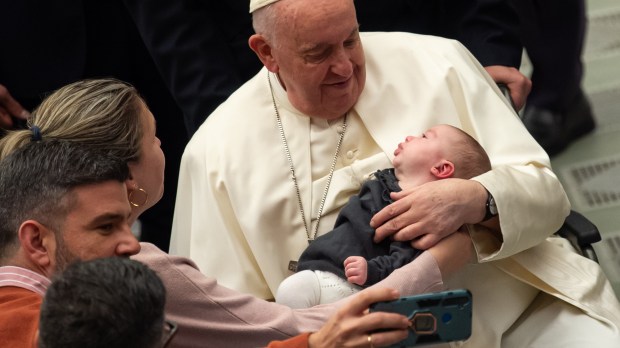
{"points": [[442, 170], [37, 242], [131, 184], [262, 48]]}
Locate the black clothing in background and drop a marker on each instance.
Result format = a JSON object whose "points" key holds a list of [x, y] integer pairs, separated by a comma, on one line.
{"points": [[49, 44], [553, 35], [201, 46], [488, 28]]}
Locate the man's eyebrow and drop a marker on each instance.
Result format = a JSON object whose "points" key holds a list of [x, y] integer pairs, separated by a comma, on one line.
{"points": [[107, 217], [312, 48], [319, 46]]}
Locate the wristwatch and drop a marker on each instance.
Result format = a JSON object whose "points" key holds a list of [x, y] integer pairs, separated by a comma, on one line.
{"points": [[491, 207]]}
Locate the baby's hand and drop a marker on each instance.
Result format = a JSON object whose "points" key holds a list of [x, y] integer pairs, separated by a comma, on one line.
{"points": [[356, 269]]}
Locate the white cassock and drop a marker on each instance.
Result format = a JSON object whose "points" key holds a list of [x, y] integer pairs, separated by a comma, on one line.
{"points": [[237, 214]]}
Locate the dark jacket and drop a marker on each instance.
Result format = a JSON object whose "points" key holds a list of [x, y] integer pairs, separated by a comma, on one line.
{"points": [[352, 235]]}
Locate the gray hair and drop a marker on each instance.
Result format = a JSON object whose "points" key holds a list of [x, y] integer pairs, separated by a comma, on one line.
{"points": [[36, 182], [265, 22]]}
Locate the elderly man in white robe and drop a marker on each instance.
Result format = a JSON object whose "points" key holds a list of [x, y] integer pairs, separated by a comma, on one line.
{"points": [[272, 166]]}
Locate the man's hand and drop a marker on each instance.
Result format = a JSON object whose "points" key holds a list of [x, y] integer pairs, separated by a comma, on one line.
{"points": [[356, 270], [518, 84], [428, 213], [10, 107], [352, 324]]}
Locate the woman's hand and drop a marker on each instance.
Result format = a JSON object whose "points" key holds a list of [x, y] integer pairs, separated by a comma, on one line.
{"points": [[353, 326]]}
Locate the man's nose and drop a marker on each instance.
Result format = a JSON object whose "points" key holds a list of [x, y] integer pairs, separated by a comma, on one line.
{"points": [[129, 245], [342, 64]]}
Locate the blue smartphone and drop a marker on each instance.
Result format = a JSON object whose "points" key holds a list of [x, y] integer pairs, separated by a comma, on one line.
{"points": [[435, 317]]}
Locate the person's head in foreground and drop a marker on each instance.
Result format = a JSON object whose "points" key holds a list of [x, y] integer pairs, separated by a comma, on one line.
{"points": [[109, 302]]}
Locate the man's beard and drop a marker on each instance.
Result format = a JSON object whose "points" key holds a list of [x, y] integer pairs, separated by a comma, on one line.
{"points": [[63, 256]]}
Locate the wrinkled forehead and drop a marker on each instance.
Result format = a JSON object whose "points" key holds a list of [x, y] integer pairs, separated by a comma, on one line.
{"points": [[316, 16], [258, 4]]}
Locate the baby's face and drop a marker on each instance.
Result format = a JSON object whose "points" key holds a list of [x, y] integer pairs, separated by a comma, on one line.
{"points": [[415, 156]]}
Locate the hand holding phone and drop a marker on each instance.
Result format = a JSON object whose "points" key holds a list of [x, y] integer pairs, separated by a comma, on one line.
{"points": [[435, 317]]}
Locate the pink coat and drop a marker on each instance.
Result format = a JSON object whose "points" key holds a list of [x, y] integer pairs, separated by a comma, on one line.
{"points": [[211, 315]]}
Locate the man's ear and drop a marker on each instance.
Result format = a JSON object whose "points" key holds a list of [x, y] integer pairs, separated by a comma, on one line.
{"points": [[442, 170], [36, 241], [261, 47]]}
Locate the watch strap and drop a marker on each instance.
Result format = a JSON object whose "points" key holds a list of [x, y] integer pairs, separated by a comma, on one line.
{"points": [[489, 213]]}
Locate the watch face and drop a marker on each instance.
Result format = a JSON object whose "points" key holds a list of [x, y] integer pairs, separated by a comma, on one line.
{"points": [[492, 206]]}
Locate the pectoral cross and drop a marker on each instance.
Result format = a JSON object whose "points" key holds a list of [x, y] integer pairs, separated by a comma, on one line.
{"points": [[292, 265]]}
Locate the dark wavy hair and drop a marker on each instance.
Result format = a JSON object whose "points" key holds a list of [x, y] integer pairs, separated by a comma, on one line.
{"points": [[109, 302]]}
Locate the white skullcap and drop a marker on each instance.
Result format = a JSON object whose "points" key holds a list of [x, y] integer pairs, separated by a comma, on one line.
{"points": [[256, 4]]}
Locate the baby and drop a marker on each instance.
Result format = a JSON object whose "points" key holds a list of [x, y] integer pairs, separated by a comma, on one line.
{"points": [[342, 261]]}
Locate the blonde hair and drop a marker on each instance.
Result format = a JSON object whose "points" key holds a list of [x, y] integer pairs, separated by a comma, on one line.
{"points": [[103, 114]]}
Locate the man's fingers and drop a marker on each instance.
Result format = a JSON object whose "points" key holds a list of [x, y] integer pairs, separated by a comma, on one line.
{"points": [[385, 222], [399, 230], [519, 91], [426, 241], [519, 84], [398, 195], [384, 215], [408, 232]]}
